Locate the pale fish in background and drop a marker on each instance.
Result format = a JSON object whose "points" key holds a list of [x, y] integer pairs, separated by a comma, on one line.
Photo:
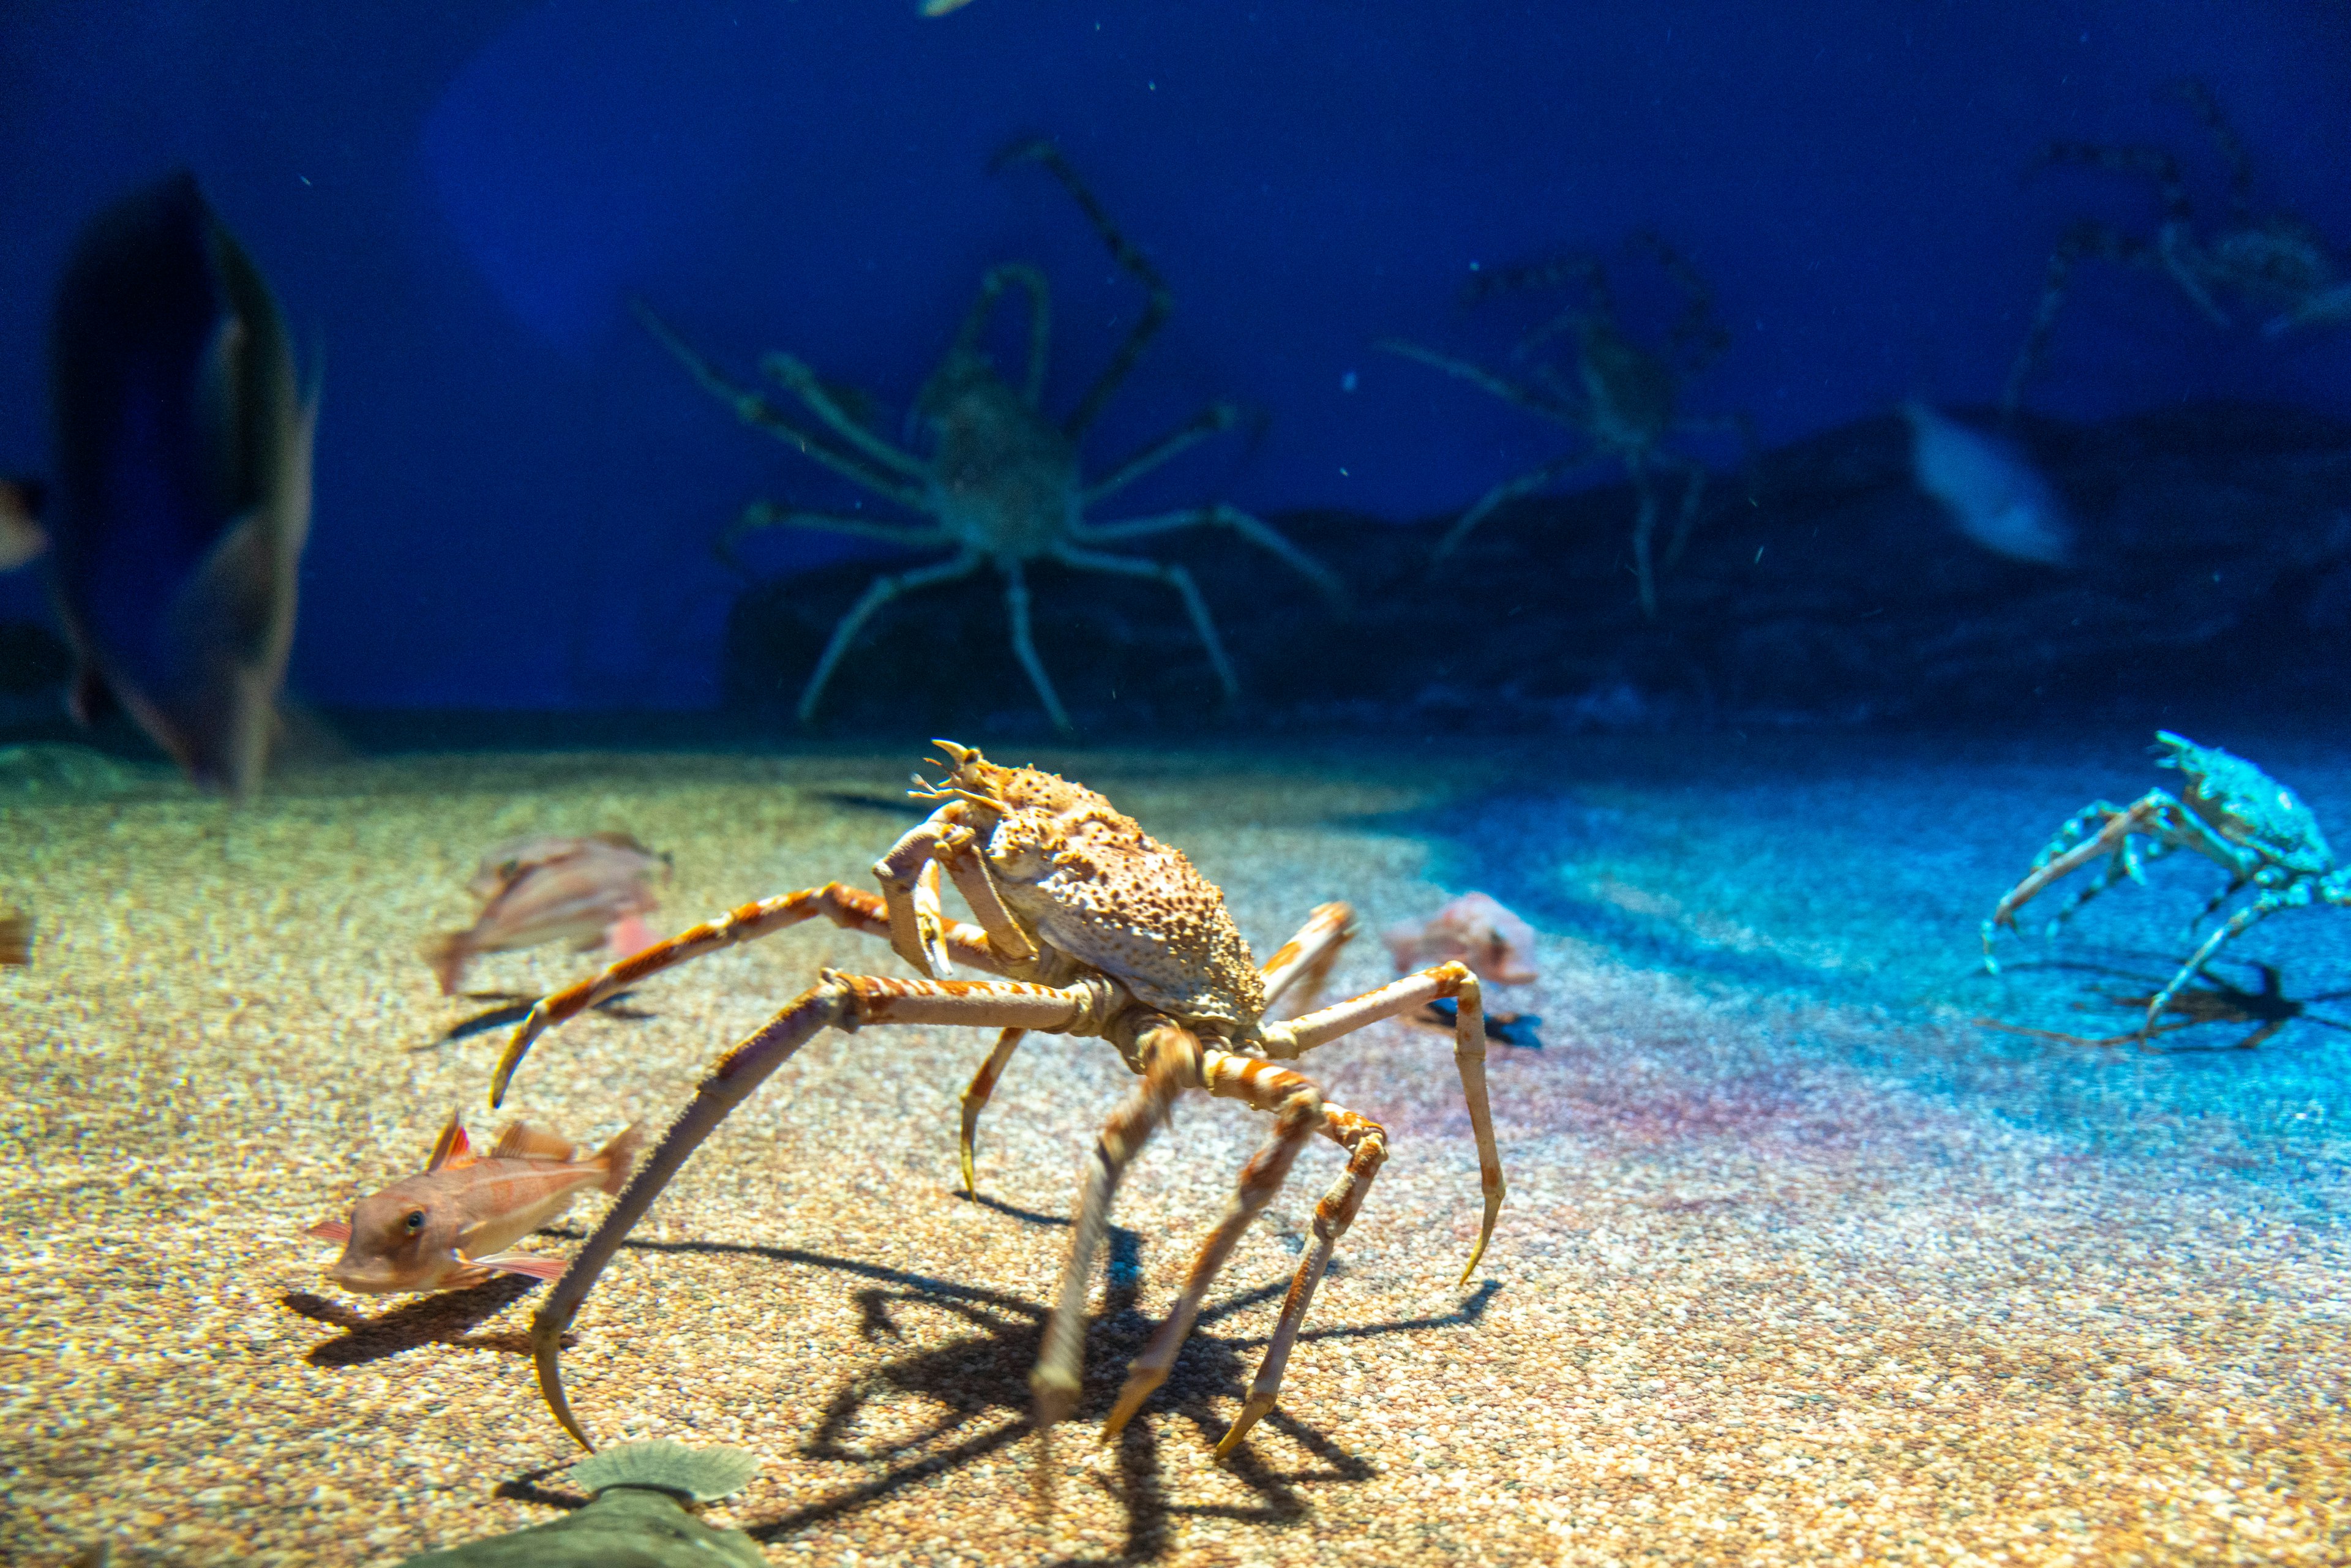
{"points": [[593, 892], [21, 537], [1474, 928], [449, 1227], [1988, 487], [941, 7], [183, 493]]}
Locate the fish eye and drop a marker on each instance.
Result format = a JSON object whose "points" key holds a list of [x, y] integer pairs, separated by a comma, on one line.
{"points": [[414, 1221]]}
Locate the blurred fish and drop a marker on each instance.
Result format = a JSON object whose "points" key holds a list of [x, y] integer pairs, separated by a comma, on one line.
{"points": [[1989, 488], [21, 537], [183, 481], [941, 7], [1475, 928], [447, 1229], [592, 890], [15, 939]]}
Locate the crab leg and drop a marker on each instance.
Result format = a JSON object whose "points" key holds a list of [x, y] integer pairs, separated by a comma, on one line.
{"points": [[1305, 961], [1174, 577], [1366, 1143], [975, 1100], [1171, 1056], [1016, 605], [1256, 530], [752, 409], [835, 1002], [794, 376], [847, 908], [882, 592], [1285, 1041], [1209, 421], [1297, 1107], [2298, 896], [2156, 815], [1526, 484], [766, 514]]}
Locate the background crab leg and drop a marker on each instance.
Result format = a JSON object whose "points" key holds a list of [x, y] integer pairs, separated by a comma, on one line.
{"points": [[882, 592], [1254, 530], [848, 908], [754, 410], [1366, 1142], [1209, 421], [1155, 313], [1297, 1107], [1284, 1042], [1170, 1055], [767, 515], [1526, 484], [1174, 577], [836, 1000], [1016, 604]]}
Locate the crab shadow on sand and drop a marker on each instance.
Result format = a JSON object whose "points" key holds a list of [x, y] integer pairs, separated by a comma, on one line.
{"points": [[446, 1318], [974, 1391]]}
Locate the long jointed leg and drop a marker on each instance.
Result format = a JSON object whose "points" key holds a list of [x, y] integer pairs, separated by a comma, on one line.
{"points": [[837, 1001], [1174, 577], [1171, 1059], [1161, 300], [1366, 1143], [848, 908], [1297, 1107], [1024, 645], [881, 592], [1303, 964], [975, 1100], [1296, 1037]]}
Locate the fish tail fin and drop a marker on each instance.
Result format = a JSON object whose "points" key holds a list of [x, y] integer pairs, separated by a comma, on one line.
{"points": [[620, 1156], [448, 954]]}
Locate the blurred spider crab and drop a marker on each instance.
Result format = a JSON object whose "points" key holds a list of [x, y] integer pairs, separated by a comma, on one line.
{"points": [[2275, 262], [1001, 485], [1092, 928], [1618, 396], [2234, 815]]}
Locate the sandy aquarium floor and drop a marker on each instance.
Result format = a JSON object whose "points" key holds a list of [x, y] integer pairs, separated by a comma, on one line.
{"points": [[1799, 1264]]}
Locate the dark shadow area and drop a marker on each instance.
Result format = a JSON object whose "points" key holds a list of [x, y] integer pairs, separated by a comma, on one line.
{"points": [[444, 1318], [981, 1380], [2206, 1002], [526, 1488], [513, 1010]]}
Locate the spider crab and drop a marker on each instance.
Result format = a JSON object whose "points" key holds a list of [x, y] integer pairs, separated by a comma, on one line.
{"points": [[2234, 814], [1620, 400], [1001, 484], [2275, 262], [1091, 927]]}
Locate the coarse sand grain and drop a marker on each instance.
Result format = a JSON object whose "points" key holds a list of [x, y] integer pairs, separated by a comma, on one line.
{"points": [[1797, 1265]]}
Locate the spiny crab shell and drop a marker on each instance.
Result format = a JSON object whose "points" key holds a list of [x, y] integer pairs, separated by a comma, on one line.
{"points": [[2246, 806], [1088, 880]]}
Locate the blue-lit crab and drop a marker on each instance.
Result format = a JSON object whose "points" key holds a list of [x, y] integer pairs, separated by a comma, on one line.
{"points": [[2234, 814]]}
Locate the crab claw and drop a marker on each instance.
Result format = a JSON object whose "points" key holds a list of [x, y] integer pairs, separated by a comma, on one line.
{"points": [[930, 921]]}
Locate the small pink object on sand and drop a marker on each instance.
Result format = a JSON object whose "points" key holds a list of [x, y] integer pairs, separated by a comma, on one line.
{"points": [[1475, 928]]}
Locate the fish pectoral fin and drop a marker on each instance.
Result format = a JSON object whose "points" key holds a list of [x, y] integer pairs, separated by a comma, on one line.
{"points": [[330, 1230], [529, 1264], [524, 1142]]}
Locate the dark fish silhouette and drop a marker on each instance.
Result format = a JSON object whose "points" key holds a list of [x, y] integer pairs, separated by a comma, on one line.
{"points": [[183, 491]]}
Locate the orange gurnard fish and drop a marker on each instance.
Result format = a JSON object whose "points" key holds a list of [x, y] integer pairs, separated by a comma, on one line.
{"points": [[594, 892], [448, 1228]]}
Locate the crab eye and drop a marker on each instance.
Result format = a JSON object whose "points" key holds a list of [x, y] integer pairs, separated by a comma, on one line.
{"points": [[414, 1221]]}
